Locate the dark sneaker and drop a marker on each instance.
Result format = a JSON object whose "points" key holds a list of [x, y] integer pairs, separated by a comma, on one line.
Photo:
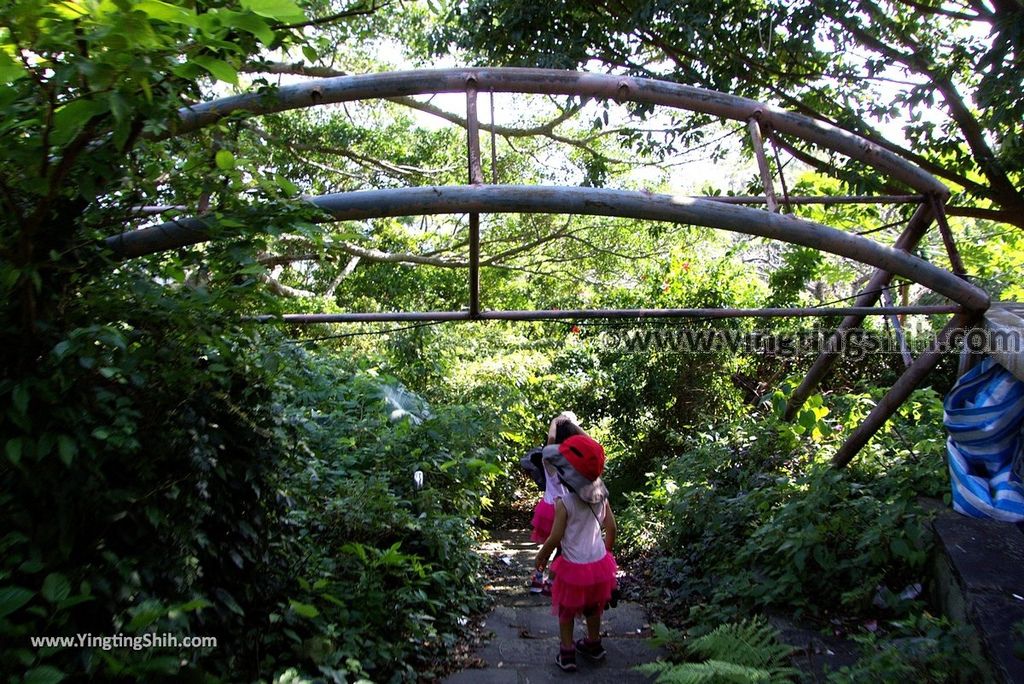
{"points": [[592, 649], [537, 583], [566, 660]]}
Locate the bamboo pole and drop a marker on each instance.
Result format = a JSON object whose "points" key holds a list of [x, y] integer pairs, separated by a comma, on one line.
{"points": [[898, 393], [904, 296], [787, 206], [907, 241], [554, 82], [586, 314], [593, 202]]}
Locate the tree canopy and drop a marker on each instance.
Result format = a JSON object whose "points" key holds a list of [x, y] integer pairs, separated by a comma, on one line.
{"points": [[933, 81]]}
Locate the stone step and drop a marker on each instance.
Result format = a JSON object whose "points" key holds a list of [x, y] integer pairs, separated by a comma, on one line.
{"points": [[979, 573]]}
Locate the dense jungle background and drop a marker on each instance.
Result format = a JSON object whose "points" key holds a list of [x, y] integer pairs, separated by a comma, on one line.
{"points": [[170, 466]]}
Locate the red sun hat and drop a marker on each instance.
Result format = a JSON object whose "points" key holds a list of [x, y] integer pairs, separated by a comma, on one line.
{"points": [[585, 455]]}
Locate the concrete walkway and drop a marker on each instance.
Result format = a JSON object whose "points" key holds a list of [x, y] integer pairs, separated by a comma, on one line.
{"points": [[525, 641]]}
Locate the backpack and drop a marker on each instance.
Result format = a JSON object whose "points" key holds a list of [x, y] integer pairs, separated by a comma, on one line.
{"points": [[531, 463]]}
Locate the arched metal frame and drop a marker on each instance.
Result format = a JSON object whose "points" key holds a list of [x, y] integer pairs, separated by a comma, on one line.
{"points": [[478, 198]]}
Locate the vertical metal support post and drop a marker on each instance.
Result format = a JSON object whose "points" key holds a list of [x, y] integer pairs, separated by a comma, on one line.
{"points": [[754, 126], [904, 298], [475, 178], [897, 327], [494, 145], [899, 392], [912, 234]]}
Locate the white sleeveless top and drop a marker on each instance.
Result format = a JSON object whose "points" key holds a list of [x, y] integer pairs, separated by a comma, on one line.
{"points": [[582, 542]]}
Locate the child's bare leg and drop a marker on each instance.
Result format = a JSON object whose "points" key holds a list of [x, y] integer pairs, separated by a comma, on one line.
{"points": [[593, 625], [565, 631]]}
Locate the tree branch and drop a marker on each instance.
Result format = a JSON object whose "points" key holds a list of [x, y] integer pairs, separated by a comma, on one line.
{"points": [[272, 260], [349, 269], [344, 14], [999, 215], [279, 288], [501, 256], [1002, 188], [398, 169], [940, 11], [869, 133]]}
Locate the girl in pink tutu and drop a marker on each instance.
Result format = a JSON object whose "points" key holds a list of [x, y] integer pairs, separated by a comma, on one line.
{"points": [[585, 569], [562, 428]]}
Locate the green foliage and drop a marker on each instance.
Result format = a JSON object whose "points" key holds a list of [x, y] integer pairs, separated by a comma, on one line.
{"points": [[991, 253], [174, 473], [521, 386], [385, 579], [922, 648], [787, 282], [838, 61], [710, 671], [146, 446], [747, 651], [755, 516], [652, 386]]}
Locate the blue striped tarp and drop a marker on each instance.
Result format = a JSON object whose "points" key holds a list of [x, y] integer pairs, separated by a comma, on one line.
{"points": [[984, 413]]}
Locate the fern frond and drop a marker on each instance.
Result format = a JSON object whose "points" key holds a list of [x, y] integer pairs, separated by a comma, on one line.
{"points": [[749, 651], [752, 643], [708, 672], [655, 668], [662, 635]]}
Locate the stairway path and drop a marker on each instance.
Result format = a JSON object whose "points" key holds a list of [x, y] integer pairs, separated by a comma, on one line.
{"points": [[525, 641]]}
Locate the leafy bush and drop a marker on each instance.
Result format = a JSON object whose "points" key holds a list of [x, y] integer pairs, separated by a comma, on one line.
{"points": [[921, 648], [136, 499], [755, 516], [386, 579], [171, 473]]}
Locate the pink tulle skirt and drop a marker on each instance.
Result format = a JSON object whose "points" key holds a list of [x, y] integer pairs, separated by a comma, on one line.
{"points": [[581, 587], [543, 519]]}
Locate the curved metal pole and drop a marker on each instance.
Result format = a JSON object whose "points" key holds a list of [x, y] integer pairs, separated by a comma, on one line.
{"points": [[554, 82], [588, 201]]}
